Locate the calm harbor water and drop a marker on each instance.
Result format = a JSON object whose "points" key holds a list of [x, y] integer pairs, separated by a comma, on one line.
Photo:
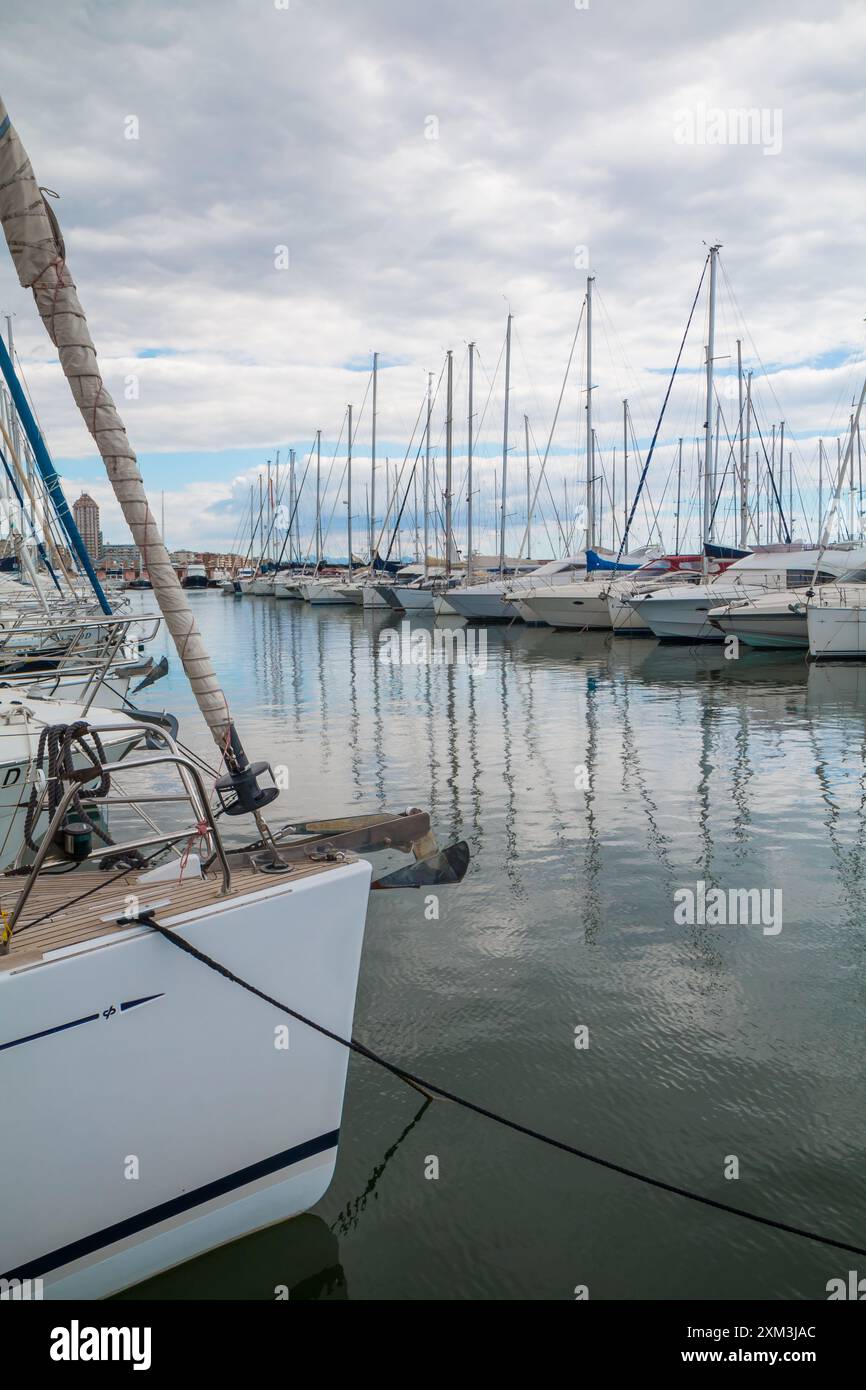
{"points": [[704, 1041]]}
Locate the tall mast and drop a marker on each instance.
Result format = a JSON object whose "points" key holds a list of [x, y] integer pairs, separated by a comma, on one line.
{"points": [[772, 522], [260, 522], [528, 492], [744, 502], [745, 535], [427, 473], [373, 457], [709, 480], [449, 422], [840, 482], [13, 420], [625, 469], [590, 437], [270, 516], [715, 471], [292, 507], [782, 483], [505, 447], [851, 487], [469, 467], [679, 493], [820, 489], [349, 491], [275, 547], [318, 498]]}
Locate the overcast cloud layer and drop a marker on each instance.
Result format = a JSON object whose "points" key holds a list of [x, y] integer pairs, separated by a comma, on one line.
{"points": [[426, 166]]}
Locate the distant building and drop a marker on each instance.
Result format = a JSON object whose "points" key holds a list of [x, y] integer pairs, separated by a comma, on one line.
{"points": [[86, 513], [118, 557]]}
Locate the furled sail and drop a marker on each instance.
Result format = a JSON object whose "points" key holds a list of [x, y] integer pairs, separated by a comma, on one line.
{"points": [[37, 249]]}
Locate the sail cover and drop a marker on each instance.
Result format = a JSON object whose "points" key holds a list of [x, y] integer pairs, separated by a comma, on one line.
{"points": [[37, 248]]}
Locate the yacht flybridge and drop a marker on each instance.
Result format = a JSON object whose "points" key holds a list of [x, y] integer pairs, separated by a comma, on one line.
{"points": [[154, 1108]]}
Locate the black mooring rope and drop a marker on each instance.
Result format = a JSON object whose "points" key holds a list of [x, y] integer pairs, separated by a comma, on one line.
{"points": [[146, 919]]}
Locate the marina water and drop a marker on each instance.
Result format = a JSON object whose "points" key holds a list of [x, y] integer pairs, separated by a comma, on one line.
{"points": [[594, 779]]}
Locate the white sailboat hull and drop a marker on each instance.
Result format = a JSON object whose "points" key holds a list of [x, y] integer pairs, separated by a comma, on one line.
{"points": [[779, 624], [491, 608], [148, 1113], [682, 615], [412, 600], [321, 591], [442, 608], [623, 617], [373, 599], [837, 631], [576, 606]]}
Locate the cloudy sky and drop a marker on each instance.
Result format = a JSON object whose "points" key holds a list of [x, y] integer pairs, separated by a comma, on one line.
{"points": [[310, 180]]}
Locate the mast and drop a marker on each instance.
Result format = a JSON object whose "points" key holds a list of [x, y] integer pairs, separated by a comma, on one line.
{"points": [[625, 470], [427, 473], [270, 516], [782, 523], [373, 458], [291, 537], [715, 471], [18, 408], [318, 498], [16, 435], [744, 501], [274, 500], [709, 480], [349, 491], [260, 521], [505, 447], [528, 492], [679, 493], [834, 505], [291, 503], [820, 488], [37, 248], [590, 438], [851, 487], [772, 524], [745, 480], [449, 422], [469, 467]]}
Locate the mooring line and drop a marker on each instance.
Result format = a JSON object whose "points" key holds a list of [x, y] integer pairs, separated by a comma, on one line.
{"points": [[432, 1089]]}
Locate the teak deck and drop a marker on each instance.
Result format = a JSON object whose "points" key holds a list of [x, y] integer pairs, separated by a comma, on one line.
{"points": [[68, 923]]}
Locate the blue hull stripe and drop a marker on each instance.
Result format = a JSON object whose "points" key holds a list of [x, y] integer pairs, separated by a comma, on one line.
{"points": [[76, 1022], [46, 1032], [154, 1215]]}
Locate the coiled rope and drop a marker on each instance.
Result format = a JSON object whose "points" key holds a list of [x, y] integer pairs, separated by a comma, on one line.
{"points": [[60, 741], [421, 1083]]}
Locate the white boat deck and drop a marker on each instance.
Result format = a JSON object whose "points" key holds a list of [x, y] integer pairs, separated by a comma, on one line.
{"points": [[52, 919]]}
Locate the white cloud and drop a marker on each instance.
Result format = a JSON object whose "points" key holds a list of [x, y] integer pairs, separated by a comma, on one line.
{"points": [[261, 127]]}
